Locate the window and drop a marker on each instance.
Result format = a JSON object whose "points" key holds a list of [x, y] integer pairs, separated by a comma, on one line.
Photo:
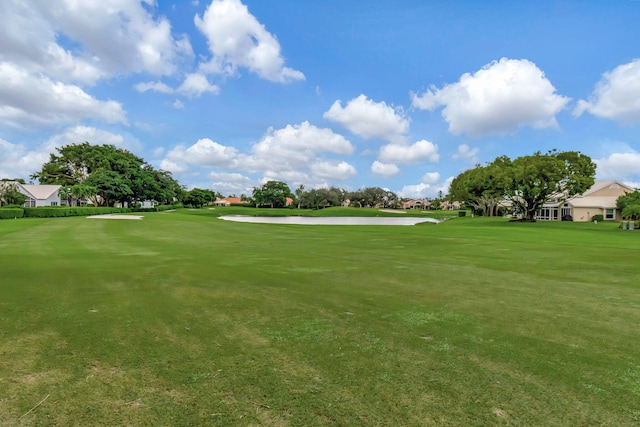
{"points": [[609, 214], [54, 203]]}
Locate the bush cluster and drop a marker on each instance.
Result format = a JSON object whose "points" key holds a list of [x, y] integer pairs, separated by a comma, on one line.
{"points": [[11, 213], [53, 212], [598, 218]]}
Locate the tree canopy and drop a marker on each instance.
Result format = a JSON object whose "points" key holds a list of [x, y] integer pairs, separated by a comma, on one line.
{"points": [[106, 175], [629, 205], [273, 194], [528, 181]]}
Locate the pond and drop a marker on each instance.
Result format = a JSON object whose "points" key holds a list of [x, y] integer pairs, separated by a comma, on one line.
{"points": [[334, 220]]}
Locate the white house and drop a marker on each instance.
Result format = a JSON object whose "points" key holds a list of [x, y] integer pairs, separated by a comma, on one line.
{"points": [[40, 195], [37, 195]]}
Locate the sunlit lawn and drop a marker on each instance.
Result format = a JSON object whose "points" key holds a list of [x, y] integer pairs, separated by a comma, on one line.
{"points": [[185, 319]]}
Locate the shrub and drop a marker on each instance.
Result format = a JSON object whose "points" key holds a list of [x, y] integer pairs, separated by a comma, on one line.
{"points": [[11, 213], [598, 218], [54, 212], [462, 213]]}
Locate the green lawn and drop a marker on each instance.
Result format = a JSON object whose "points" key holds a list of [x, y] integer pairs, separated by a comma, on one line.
{"points": [[184, 319]]}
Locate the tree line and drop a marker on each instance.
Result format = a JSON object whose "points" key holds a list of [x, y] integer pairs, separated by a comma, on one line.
{"points": [[105, 175]]}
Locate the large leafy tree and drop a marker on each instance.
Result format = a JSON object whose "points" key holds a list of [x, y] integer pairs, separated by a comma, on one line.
{"points": [[483, 187], [629, 205], [371, 197], [528, 181], [273, 194], [320, 198], [106, 174], [198, 197], [539, 178]]}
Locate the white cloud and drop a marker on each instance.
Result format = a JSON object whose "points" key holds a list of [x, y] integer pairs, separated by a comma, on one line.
{"points": [[335, 171], [177, 104], [290, 154], [232, 183], [296, 146], [618, 166], [153, 86], [430, 178], [616, 96], [385, 170], [368, 119], [498, 99], [109, 37], [79, 134], [18, 161], [175, 168], [420, 151], [429, 187], [196, 84], [204, 152], [237, 39], [466, 152], [35, 100]]}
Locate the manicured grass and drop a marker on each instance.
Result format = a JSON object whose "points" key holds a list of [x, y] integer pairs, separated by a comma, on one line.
{"points": [[185, 319]]}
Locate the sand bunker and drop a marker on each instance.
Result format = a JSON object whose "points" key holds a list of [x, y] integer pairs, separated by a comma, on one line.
{"points": [[115, 216], [304, 220]]}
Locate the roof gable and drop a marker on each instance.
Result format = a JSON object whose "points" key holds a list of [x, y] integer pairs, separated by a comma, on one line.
{"points": [[40, 192]]}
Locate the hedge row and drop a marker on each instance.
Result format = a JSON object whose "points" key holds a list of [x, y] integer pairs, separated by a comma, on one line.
{"points": [[11, 213], [53, 212]]}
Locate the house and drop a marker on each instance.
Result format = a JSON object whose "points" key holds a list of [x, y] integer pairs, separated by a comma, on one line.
{"points": [[228, 201], [40, 195], [37, 195], [450, 205], [416, 204], [600, 199]]}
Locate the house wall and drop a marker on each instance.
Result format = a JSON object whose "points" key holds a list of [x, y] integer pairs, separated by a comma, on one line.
{"points": [[586, 214], [53, 200]]}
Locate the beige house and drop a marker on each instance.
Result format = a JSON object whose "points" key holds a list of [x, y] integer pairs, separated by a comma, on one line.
{"points": [[416, 204], [600, 199]]}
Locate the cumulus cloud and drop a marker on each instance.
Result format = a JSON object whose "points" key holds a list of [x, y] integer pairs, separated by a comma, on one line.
{"points": [[616, 96], [429, 187], [498, 99], [467, 153], [369, 119], [295, 146], [619, 166], [18, 161], [204, 152], [232, 183], [153, 86], [335, 171], [196, 84], [420, 151], [237, 39], [295, 153], [35, 100], [109, 37], [385, 170], [79, 134]]}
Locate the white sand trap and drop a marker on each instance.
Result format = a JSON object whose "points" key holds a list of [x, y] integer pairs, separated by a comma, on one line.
{"points": [[115, 216], [304, 220], [393, 211]]}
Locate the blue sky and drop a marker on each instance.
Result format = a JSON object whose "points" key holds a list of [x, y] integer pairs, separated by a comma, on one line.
{"points": [[227, 94]]}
